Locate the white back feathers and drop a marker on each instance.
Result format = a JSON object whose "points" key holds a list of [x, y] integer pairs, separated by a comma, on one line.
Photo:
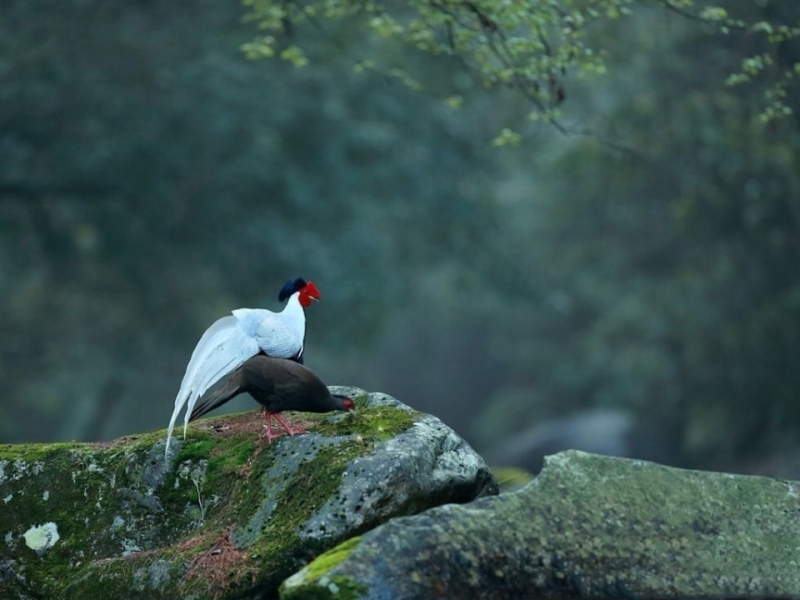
{"points": [[231, 340]]}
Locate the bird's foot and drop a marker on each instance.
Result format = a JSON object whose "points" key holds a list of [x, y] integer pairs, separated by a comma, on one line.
{"points": [[289, 428], [267, 433]]}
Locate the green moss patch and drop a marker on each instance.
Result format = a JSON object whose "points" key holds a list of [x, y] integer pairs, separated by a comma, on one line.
{"points": [[327, 588], [327, 560], [372, 424], [313, 582]]}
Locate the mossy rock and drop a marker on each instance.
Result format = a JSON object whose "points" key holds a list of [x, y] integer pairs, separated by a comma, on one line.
{"points": [[588, 526], [228, 515]]}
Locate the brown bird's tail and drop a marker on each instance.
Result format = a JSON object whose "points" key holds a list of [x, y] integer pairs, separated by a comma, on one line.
{"points": [[231, 389]]}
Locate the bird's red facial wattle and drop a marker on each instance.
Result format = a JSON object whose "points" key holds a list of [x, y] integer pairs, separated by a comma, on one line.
{"points": [[307, 294]]}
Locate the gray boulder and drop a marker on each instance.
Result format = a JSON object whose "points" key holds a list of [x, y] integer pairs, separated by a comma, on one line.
{"points": [[227, 515], [588, 526]]}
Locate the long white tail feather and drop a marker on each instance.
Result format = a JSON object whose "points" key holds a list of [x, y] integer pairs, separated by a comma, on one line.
{"points": [[229, 357], [201, 350], [228, 322], [223, 343], [213, 345]]}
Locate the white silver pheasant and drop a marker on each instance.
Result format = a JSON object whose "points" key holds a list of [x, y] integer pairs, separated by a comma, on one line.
{"points": [[231, 340]]}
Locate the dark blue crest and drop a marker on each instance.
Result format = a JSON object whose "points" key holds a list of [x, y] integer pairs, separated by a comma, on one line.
{"points": [[290, 287]]}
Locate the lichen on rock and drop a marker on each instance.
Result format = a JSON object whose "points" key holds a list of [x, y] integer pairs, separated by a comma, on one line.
{"points": [[41, 537]]}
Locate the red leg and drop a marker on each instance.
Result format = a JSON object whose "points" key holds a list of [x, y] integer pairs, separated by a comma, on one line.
{"points": [[267, 425], [289, 429]]}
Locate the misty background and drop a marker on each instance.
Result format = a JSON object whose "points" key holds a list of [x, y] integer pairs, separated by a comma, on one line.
{"points": [[638, 289]]}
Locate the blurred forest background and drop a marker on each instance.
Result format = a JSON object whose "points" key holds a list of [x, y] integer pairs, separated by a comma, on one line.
{"points": [[533, 296]]}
